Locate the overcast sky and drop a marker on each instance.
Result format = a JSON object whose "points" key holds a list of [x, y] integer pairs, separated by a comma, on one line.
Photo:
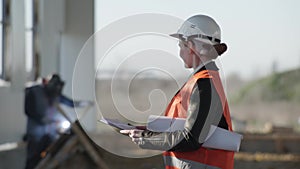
{"points": [[257, 32]]}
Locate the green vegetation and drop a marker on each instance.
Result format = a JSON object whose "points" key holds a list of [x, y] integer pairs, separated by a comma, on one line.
{"points": [[283, 86]]}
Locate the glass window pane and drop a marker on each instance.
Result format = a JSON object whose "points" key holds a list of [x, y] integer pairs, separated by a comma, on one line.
{"points": [[29, 59], [1, 38], [28, 14], [29, 50], [1, 50], [1, 10]]}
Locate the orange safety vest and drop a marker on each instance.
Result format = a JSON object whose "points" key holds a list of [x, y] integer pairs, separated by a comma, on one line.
{"points": [[203, 156]]}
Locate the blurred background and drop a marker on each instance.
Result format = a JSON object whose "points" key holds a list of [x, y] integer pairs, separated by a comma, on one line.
{"points": [[261, 74]]}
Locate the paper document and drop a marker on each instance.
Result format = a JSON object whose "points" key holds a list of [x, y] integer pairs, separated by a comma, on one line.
{"points": [[164, 124], [217, 137], [220, 138], [117, 124]]}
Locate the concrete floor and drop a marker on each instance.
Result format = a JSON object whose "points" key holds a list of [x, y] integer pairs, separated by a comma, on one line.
{"points": [[14, 158]]}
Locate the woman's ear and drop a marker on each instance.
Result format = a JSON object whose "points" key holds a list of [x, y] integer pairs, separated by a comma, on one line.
{"points": [[207, 50], [204, 52]]}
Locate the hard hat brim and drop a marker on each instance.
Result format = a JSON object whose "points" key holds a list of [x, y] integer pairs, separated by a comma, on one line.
{"points": [[176, 35], [181, 37]]}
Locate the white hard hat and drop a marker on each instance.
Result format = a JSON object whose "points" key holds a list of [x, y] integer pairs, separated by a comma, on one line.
{"points": [[200, 27]]}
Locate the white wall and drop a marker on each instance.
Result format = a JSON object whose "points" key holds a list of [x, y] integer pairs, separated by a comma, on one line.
{"points": [[51, 26], [79, 19], [64, 27], [79, 26], [12, 119]]}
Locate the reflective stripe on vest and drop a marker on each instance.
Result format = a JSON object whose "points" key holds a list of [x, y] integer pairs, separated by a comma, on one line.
{"points": [[178, 108], [186, 164]]}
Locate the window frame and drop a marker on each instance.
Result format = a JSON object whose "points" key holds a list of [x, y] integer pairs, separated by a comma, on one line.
{"points": [[2, 38], [32, 72]]}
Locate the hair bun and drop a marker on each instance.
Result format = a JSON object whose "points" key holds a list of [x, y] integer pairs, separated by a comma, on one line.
{"points": [[221, 48]]}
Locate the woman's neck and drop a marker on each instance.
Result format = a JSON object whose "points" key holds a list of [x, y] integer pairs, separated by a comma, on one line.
{"points": [[200, 62]]}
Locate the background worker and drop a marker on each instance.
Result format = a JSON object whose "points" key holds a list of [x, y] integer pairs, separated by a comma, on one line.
{"points": [[43, 117], [201, 101]]}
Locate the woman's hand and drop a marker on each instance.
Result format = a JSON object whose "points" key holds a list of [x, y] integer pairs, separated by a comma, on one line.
{"points": [[135, 135]]}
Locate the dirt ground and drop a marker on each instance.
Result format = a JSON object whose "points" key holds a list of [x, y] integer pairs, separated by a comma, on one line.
{"points": [[245, 159], [15, 159], [242, 161]]}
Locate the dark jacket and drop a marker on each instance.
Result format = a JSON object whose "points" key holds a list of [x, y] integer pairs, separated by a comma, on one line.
{"points": [[43, 116]]}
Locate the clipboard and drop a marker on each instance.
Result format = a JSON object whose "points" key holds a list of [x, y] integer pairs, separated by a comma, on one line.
{"points": [[120, 125]]}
